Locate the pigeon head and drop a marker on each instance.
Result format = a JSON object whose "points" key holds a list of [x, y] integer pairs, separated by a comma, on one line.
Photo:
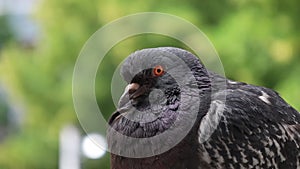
{"points": [[162, 69], [160, 80], [167, 94]]}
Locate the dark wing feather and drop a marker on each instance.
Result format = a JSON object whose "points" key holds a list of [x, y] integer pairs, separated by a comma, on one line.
{"points": [[257, 129]]}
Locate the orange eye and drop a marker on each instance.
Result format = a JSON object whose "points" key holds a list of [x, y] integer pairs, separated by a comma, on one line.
{"points": [[158, 70]]}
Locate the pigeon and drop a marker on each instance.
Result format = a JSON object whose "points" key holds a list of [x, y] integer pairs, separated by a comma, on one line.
{"points": [[176, 114]]}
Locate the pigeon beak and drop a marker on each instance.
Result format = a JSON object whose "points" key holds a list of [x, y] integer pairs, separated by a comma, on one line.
{"points": [[134, 90]]}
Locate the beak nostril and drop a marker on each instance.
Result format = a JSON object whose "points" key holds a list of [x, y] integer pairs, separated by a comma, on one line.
{"points": [[133, 87], [134, 90], [131, 91]]}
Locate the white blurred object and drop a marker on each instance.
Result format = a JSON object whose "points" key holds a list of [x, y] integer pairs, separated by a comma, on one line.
{"points": [[69, 148], [19, 18], [94, 146], [18, 7]]}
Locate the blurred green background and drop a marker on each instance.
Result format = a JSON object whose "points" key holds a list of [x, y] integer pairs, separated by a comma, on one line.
{"points": [[257, 41]]}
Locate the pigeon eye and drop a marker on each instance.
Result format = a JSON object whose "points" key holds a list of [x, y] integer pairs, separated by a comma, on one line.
{"points": [[158, 70]]}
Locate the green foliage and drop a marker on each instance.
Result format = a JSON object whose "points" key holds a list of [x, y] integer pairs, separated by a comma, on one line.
{"points": [[258, 42], [5, 32]]}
